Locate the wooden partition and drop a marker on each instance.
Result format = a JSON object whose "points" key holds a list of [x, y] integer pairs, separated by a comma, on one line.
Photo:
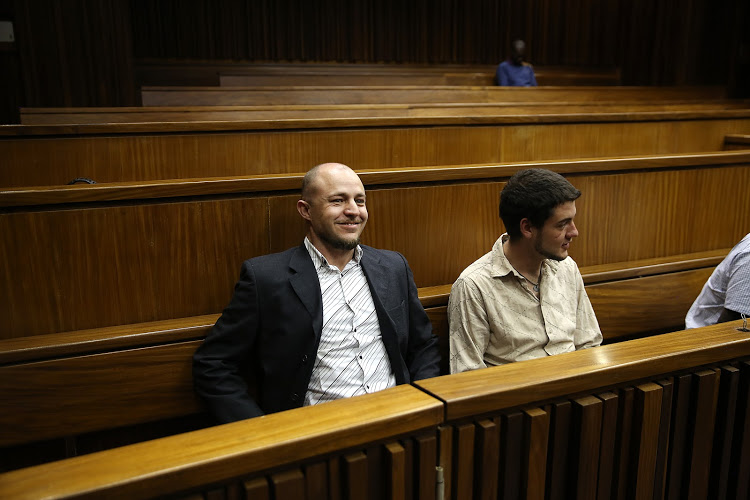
{"points": [[662, 416], [134, 152], [146, 114], [359, 94], [90, 256]]}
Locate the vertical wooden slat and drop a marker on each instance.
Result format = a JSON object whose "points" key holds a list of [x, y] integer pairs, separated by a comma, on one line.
{"points": [[726, 409], [355, 472], [257, 489], [445, 433], [740, 475], [678, 436], [535, 463], [660, 472], [235, 491], [375, 472], [487, 459], [215, 494], [511, 443], [587, 411], [463, 462], [335, 479], [624, 429], [426, 459], [558, 456], [408, 445], [646, 423], [704, 412], [288, 485], [395, 464], [607, 447], [316, 480]]}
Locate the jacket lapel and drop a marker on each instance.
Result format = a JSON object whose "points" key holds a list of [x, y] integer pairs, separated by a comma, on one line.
{"points": [[304, 281]]}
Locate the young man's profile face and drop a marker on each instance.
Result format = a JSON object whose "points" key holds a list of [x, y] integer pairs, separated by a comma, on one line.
{"points": [[553, 239]]}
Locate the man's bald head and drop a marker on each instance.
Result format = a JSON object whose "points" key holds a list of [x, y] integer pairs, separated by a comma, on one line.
{"points": [[309, 181]]}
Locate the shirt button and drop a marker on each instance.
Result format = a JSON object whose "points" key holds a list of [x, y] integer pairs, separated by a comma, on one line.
{"points": [[360, 357], [304, 358], [295, 397]]}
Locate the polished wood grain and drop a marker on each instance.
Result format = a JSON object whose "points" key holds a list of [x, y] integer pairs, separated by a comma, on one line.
{"points": [[87, 395], [316, 480], [623, 447], [395, 462], [355, 475], [511, 453], [535, 447], [729, 379], [360, 94], [426, 449], [481, 391], [704, 414], [588, 412], [288, 485], [647, 419], [487, 459], [463, 483], [559, 466], [224, 452], [607, 450], [144, 152]]}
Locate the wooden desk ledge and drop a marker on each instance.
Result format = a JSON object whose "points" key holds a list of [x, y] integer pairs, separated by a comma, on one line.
{"points": [[488, 390], [162, 466]]}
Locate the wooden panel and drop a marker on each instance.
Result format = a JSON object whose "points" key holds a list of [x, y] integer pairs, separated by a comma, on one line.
{"points": [[116, 153], [647, 420], [725, 421], [645, 314], [355, 476], [679, 437], [739, 484], [535, 459], [626, 398], [335, 481], [662, 452], [463, 462], [316, 480], [588, 412], [66, 387], [90, 267], [257, 489], [704, 414], [559, 467], [155, 468], [395, 464], [445, 449], [288, 485], [477, 392], [427, 458], [377, 476], [487, 459], [511, 448], [605, 474]]}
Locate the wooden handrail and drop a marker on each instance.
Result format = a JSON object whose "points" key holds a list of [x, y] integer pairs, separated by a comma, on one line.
{"points": [[45, 195], [481, 391], [158, 467]]}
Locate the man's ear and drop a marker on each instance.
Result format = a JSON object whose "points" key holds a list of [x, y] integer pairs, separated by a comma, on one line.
{"points": [[303, 208], [526, 228]]}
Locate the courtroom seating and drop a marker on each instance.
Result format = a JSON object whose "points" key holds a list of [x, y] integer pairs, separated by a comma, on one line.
{"points": [[121, 152], [664, 415], [92, 115], [737, 141]]}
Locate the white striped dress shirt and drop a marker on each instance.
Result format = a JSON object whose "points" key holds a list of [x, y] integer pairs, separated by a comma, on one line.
{"points": [[351, 358]]}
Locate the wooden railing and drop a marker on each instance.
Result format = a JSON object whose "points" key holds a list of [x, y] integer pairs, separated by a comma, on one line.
{"points": [[661, 416]]}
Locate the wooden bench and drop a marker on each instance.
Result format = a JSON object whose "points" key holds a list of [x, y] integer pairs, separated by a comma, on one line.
{"points": [[209, 73], [91, 115], [84, 241], [56, 154], [357, 94], [737, 141], [662, 414]]}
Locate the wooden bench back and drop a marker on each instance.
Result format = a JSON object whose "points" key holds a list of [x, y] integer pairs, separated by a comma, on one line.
{"points": [[82, 244]]}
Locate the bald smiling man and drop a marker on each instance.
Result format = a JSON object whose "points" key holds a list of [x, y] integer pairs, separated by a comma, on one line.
{"points": [[326, 320]]}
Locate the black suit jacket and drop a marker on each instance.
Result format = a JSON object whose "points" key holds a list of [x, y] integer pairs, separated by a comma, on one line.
{"points": [[271, 329]]}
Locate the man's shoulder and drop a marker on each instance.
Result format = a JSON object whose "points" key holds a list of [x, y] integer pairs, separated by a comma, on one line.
{"points": [[273, 260], [480, 269]]}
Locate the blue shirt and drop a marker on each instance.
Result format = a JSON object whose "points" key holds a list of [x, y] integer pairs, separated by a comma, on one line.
{"points": [[510, 75]]}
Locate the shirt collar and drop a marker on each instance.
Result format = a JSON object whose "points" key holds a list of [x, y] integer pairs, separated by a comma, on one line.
{"points": [[320, 261]]}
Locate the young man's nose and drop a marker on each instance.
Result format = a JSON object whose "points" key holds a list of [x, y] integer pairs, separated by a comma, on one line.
{"points": [[572, 230]]}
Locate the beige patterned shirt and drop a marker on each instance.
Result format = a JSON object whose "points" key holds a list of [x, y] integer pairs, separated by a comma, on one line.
{"points": [[494, 317]]}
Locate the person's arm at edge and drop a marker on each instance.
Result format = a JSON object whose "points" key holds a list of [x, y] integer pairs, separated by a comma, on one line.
{"points": [[736, 301], [217, 362], [587, 334]]}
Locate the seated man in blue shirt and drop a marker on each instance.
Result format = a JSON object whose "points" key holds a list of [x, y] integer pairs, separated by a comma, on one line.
{"points": [[515, 72]]}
